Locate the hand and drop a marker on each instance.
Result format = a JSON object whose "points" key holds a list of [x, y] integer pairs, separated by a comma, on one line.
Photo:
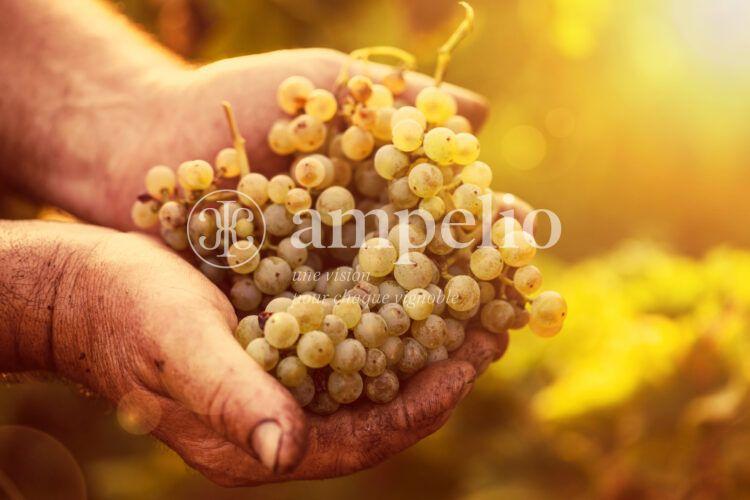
{"points": [[157, 332], [181, 119]]}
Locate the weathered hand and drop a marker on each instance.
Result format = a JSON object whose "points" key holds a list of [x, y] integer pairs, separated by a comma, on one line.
{"points": [[158, 333]]}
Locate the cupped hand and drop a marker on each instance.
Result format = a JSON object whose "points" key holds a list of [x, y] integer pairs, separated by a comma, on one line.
{"points": [[157, 334]]}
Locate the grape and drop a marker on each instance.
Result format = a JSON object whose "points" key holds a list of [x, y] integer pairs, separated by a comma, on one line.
{"points": [[425, 180], [280, 138], [466, 149], [497, 316], [393, 348], [365, 292], [438, 245], [371, 330], [308, 133], [293, 92], [418, 303], [407, 135], [291, 372], [305, 391], [401, 195], [462, 293], [278, 187], [297, 200], [440, 353], [521, 318], [548, 309], [342, 172], [321, 104], [349, 356], [454, 334], [308, 311], [263, 353], [360, 87], [332, 199], [434, 205], [175, 238], [160, 182], [278, 220], [486, 263], [357, 143], [502, 227], [396, 320], [172, 215], [439, 297], [390, 292], [349, 310], [466, 197], [459, 124], [339, 281], [273, 275], [414, 358], [408, 113], [278, 304], [145, 214], [381, 127], [519, 250], [293, 255], [244, 295], [281, 330], [244, 228], [382, 389], [381, 97], [487, 292], [436, 104], [255, 187], [323, 404], [195, 175], [315, 349], [210, 270], [390, 162], [527, 280], [303, 279], [464, 315], [477, 173], [227, 163], [375, 364], [367, 181], [243, 257], [330, 171], [377, 256], [344, 387], [430, 332], [440, 145], [335, 328], [309, 171], [248, 329], [416, 273]]}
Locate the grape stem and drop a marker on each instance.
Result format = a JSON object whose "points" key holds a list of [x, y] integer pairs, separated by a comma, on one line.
{"points": [[445, 51], [237, 139], [408, 61]]}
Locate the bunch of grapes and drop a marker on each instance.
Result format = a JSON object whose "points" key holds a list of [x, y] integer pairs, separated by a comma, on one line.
{"points": [[346, 321]]}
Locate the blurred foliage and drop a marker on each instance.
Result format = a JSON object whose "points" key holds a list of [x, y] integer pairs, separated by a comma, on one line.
{"points": [[629, 120]]}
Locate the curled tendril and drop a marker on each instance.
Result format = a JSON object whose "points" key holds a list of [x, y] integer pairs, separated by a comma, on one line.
{"points": [[407, 60], [445, 51]]}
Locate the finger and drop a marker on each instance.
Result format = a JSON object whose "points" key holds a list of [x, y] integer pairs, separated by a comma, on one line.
{"points": [[200, 365], [361, 436], [480, 348]]}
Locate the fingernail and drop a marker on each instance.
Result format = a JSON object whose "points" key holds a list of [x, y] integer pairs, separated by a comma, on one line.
{"points": [[266, 441]]}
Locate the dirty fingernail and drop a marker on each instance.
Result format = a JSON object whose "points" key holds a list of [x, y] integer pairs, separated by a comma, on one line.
{"points": [[265, 441]]}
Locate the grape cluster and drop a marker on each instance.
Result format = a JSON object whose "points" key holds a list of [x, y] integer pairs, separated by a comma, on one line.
{"points": [[342, 321]]}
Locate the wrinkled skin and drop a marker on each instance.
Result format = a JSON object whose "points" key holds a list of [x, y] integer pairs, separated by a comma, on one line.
{"points": [[157, 326]]}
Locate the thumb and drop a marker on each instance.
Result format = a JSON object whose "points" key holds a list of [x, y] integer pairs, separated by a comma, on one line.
{"points": [[203, 367]]}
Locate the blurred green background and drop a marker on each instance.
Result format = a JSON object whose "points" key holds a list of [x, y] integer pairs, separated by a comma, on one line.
{"points": [[630, 121]]}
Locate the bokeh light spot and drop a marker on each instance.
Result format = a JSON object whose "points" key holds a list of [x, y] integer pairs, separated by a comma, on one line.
{"points": [[560, 122], [523, 147], [138, 412]]}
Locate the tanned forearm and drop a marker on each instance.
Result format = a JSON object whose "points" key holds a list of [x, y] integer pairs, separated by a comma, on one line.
{"points": [[75, 78], [37, 263]]}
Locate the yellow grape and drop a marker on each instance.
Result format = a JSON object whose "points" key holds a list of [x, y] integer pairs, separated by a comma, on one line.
{"points": [[321, 104], [440, 145], [381, 97], [407, 135], [278, 187], [357, 143], [466, 149], [255, 186], [360, 87], [195, 175], [408, 113], [477, 173], [292, 93], [425, 180], [308, 133], [160, 182], [309, 172], [436, 104], [280, 138]]}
